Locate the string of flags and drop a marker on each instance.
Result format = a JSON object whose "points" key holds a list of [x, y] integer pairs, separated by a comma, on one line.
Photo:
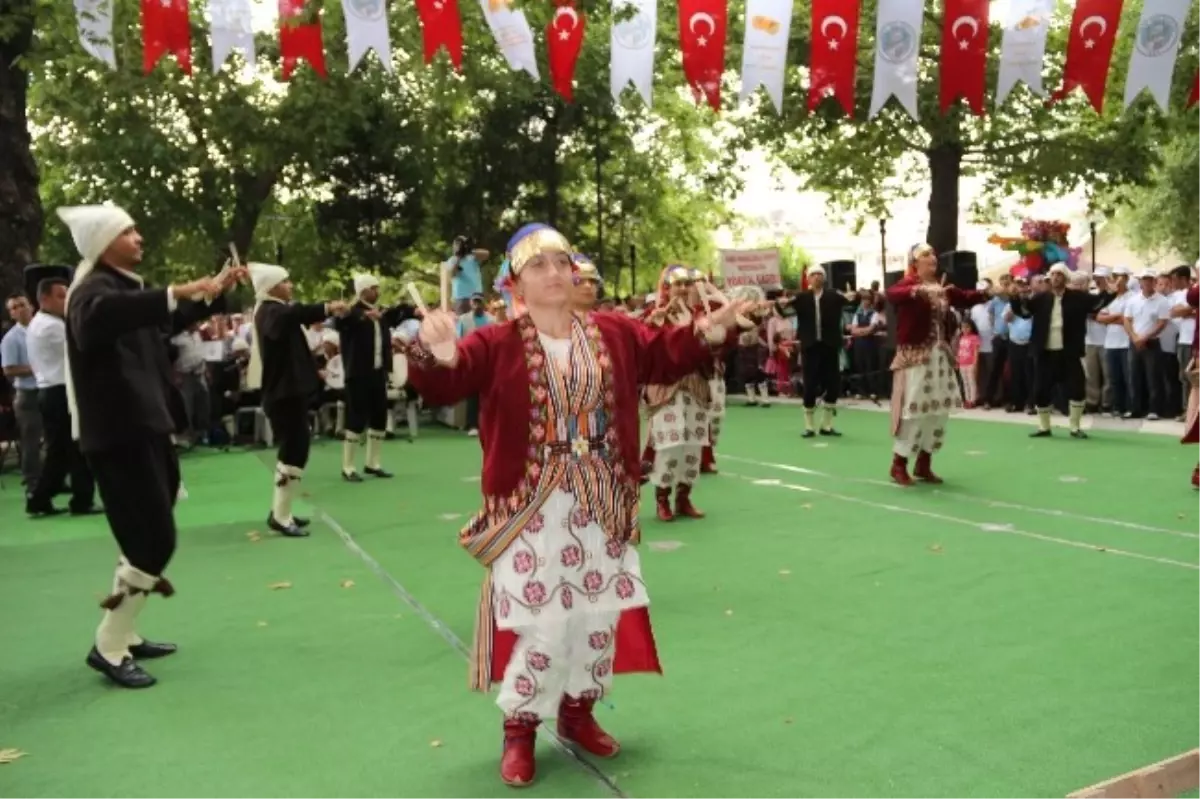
{"points": [[703, 29]]}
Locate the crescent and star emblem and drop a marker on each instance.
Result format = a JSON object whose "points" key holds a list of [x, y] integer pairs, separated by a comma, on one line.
{"points": [[970, 22], [564, 34], [1093, 20], [707, 19], [834, 21]]}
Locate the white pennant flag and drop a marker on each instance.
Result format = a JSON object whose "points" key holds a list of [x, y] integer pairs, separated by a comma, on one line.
{"points": [[367, 29], [1024, 47], [513, 35], [764, 50], [232, 25], [897, 41], [1155, 48], [632, 59], [95, 21]]}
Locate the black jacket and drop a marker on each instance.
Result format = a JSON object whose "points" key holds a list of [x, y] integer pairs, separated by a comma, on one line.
{"points": [[1077, 306], [289, 370], [357, 338], [804, 305], [119, 358]]}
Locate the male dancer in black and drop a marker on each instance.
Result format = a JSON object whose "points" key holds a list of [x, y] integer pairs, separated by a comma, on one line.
{"points": [[118, 377], [820, 332], [283, 366], [1060, 318], [365, 333]]}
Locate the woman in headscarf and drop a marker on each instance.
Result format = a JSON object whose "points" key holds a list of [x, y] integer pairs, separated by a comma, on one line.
{"points": [[925, 386], [563, 604]]}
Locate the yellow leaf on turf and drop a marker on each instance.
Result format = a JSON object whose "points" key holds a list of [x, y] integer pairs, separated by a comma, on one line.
{"points": [[347, 583], [279, 586], [10, 755]]}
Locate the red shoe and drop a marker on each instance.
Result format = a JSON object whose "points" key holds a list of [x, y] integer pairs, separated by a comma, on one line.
{"points": [[922, 471], [900, 470], [662, 498], [577, 725], [1196, 477], [683, 503], [517, 764], [708, 461]]}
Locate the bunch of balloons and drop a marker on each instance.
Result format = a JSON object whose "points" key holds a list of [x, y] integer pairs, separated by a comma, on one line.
{"points": [[1041, 245]]}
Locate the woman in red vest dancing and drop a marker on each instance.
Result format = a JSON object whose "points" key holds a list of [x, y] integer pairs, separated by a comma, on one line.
{"points": [[924, 388], [1192, 426], [563, 604]]}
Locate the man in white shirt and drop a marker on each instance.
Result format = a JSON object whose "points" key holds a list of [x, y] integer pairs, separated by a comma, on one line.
{"points": [[1146, 315], [1116, 345], [46, 342], [14, 358], [1184, 318], [1095, 365], [982, 317], [192, 369], [1168, 366]]}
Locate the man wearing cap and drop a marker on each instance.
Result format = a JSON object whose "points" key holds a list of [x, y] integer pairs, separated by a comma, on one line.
{"points": [[282, 365], [1095, 365], [585, 294], [1146, 315], [466, 275], [1059, 327], [819, 329], [365, 333], [118, 378], [474, 319], [1020, 364], [1116, 344]]}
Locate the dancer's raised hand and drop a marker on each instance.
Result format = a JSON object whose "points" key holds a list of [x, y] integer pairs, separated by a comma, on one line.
{"points": [[439, 332]]}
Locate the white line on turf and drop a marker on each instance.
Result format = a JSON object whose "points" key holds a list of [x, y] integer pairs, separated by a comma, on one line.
{"points": [[984, 527], [993, 503]]}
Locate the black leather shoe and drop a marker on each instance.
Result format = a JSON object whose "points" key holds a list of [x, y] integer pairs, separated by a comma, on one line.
{"points": [[149, 650], [808, 434], [300, 522], [1040, 434], [830, 432], [127, 675], [381, 472], [352, 477], [1078, 434], [91, 510], [292, 530], [42, 511]]}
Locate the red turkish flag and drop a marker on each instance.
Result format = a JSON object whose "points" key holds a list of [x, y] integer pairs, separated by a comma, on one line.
{"points": [[299, 40], [1195, 94], [702, 29], [165, 29], [1089, 50], [564, 39], [964, 54], [834, 52], [441, 26]]}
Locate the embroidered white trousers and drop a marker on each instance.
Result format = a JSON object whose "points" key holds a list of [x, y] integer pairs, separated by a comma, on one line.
{"points": [[570, 656]]}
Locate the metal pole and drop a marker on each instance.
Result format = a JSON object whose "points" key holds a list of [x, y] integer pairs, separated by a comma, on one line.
{"points": [[1092, 232], [599, 204], [882, 249]]}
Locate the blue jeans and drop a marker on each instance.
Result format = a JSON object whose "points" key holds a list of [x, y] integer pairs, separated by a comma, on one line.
{"points": [[1120, 377]]}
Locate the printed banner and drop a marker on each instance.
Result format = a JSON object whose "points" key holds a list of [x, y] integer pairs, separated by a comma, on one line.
{"points": [[765, 48], [95, 21], [897, 42], [1089, 49], [1023, 48], [751, 268], [513, 35], [833, 58], [231, 23], [1155, 50], [632, 59], [367, 29], [963, 69]]}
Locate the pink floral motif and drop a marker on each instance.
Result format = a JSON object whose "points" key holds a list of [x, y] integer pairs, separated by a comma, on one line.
{"points": [[535, 469], [600, 670], [571, 555], [625, 587], [668, 417], [591, 694], [598, 640], [505, 608], [539, 661], [593, 580], [568, 597], [614, 549], [540, 394], [580, 517], [524, 686], [536, 360], [535, 524], [690, 459], [523, 562], [674, 436], [535, 592], [538, 432]]}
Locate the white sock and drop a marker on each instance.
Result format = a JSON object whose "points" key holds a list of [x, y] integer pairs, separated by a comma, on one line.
{"points": [[230, 430], [116, 630], [391, 421], [350, 453], [809, 415], [750, 392], [410, 411], [374, 448], [1076, 409], [1043, 419], [827, 424], [281, 499]]}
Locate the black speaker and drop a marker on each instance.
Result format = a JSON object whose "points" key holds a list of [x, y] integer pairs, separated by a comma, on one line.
{"points": [[960, 268], [840, 275], [892, 278], [36, 273]]}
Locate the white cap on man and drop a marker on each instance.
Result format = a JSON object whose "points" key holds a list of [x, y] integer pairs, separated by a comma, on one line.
{"points": [[364, 282], [1101, 271], [265, 277]]}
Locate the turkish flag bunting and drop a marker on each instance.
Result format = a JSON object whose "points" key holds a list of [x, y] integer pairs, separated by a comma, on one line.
{"points": [[298, 40], [564, 39], [165, 29], [834, 52], [702, 29], [1089, 50], [1195, 95], [441, 26], [964, 54]]}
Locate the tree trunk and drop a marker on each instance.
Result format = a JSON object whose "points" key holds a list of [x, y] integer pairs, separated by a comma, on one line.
{"points": [[21, 219], [552, 171], [945, 168], [252, 193]]}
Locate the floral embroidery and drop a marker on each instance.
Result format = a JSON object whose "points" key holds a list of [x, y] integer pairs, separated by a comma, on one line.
{"points": [[567, 597], [580, 516], [523, 562], [505, 607], [535, 592], [625, 587], [592, 581], [614, 549], [538, 661], [535, 523], [598, 640], [572, 555], [602, 668], [523, 686]]}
